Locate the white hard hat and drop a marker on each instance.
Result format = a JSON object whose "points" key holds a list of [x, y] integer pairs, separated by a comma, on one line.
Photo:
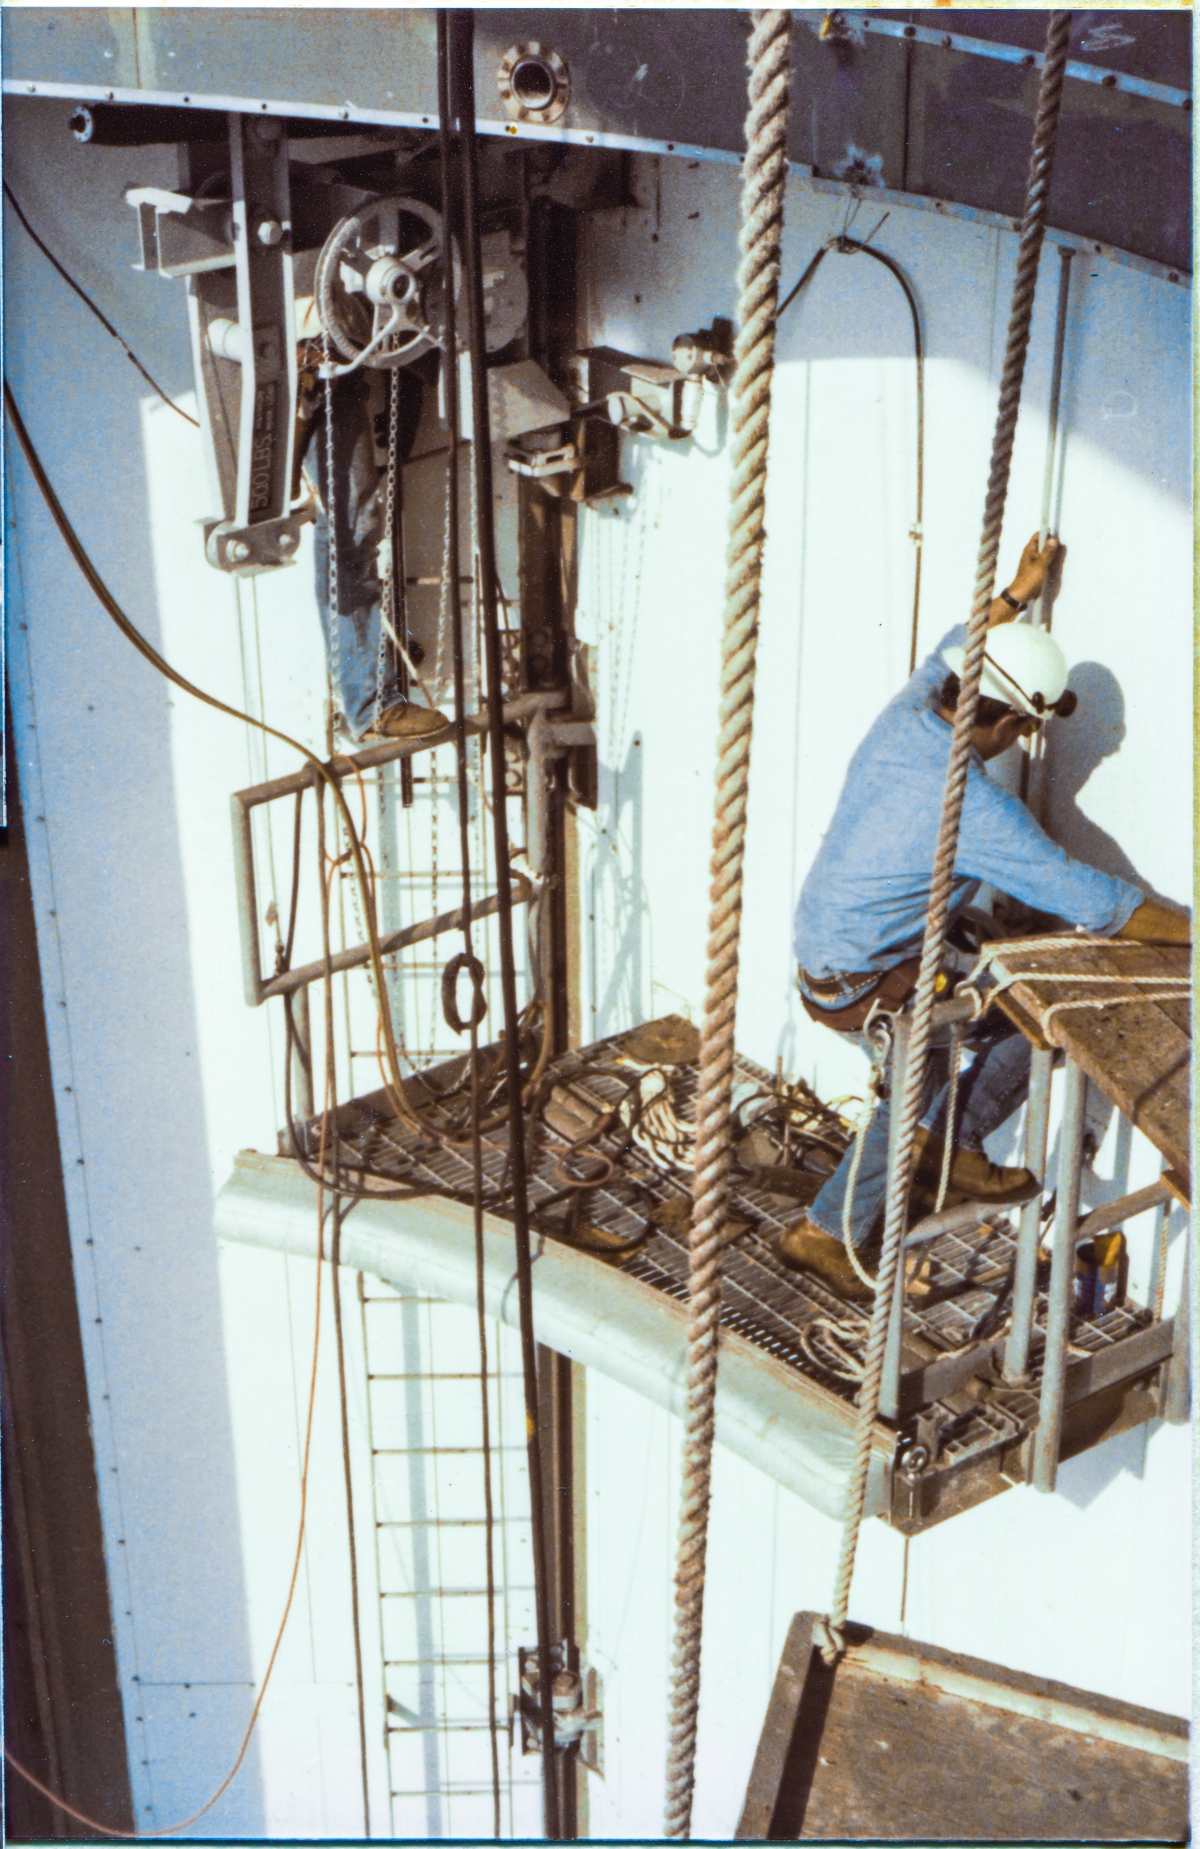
{"points": [[1022, 667]]}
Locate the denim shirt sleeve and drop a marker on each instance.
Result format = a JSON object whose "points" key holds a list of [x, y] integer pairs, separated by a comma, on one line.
{"points": [[1000, 842]]}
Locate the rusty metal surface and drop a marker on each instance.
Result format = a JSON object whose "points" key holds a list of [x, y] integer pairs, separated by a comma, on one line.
{"points": [[906, 1742]]}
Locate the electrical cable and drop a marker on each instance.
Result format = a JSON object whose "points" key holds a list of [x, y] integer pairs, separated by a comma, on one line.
{"points": [[454, 605], [848, 246], [102, 318], [462, 28]]}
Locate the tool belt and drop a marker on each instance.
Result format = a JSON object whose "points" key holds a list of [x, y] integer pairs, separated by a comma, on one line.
{"points": [[888, 991]]}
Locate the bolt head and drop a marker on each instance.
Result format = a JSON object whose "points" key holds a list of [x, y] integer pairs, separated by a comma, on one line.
{"points": [[287, 542], [268, 231], [238, 551]]}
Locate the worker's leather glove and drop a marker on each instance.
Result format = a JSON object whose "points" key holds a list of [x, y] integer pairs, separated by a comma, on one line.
{"points": [[1032, 572]]}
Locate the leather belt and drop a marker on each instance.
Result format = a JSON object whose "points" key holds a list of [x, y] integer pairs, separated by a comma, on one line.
{"points": [[889, 990]]}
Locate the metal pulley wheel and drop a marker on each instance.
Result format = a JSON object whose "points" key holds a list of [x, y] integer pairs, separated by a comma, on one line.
{"points": [[380, 283]]}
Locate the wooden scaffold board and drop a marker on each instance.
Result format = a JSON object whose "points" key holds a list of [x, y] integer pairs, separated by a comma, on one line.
{"points": [[1137, 1051], [904, 1742]]}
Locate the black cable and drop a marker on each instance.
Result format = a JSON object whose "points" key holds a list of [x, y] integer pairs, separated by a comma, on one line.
{"points": [[454, 605], [86, 299], [462, 25], [850, 247]]}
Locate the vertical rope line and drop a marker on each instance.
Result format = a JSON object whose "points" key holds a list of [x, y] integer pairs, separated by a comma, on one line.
{"points": [[1020, 318], [759, 239]]}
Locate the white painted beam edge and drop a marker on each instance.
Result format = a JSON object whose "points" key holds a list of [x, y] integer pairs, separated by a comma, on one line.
{"points": [[767, 1414], [354, 116], [1143, 1737]]}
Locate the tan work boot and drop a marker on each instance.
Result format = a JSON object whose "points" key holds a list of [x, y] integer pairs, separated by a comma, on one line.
{"points": [[806, 1248], [404, 720], [972, 1176]]}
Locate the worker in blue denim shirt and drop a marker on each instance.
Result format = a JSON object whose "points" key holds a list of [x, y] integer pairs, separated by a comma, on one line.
{"points": [[862, 911]]}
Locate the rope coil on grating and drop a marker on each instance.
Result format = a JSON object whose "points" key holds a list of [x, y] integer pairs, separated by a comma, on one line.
{"points": [[763, 184], [1020, 319]]}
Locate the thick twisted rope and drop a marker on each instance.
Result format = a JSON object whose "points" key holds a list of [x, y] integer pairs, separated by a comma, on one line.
{"points": [[1028, 253], [764, 180]]}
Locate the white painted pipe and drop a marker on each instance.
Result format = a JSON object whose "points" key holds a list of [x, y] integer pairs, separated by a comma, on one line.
{"points": [[769, 1414], [897, 1666]]}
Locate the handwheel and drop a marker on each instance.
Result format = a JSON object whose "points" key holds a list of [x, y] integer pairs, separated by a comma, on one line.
{"points": [[380, 283]]}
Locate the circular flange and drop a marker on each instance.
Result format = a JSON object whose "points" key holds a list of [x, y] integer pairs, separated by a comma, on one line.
{"points": [[534, 83]]}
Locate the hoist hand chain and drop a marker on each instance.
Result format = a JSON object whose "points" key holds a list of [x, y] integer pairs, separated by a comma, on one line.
{"points": [[450, 976]]}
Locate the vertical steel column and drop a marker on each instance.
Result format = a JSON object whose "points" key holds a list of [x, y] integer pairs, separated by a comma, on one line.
{"points": [[1062, 1278], [1024, 1297], [889, 1390], [462, 67], [1176, 1394]]}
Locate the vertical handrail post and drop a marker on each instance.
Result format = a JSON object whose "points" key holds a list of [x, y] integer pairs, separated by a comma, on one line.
{"points": [[1024, 1298], [1062, 1278], [1176, 1392]]}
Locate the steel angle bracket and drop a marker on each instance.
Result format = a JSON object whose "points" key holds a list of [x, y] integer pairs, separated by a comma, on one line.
{"points": [[230, 238]]}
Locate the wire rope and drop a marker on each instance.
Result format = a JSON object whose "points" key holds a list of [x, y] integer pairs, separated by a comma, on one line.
{"points": [[849, 246]]}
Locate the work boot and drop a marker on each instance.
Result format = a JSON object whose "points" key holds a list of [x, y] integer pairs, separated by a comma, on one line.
{"points": [[972, 1176], [404, 720], [806, 1248]]}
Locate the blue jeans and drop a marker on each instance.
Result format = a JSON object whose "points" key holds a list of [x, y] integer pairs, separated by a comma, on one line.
{"points": [[989, 1091], [353, 638]]}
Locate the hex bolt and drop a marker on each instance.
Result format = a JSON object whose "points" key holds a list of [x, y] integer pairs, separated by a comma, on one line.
{"points": [[287, 542], [268, 231], [238, 551]]}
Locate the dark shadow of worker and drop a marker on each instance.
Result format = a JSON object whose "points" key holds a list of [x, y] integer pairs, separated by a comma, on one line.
{"points": [[1074, 749]]}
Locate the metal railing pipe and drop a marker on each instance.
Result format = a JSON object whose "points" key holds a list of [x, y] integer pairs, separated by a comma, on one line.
{"points": [[1062, 1278], [1176, 1388], [1037, 1136]]}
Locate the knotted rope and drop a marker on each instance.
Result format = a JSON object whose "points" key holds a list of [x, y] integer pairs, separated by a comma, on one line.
{"points": [[1028, 253], [763, 182]]}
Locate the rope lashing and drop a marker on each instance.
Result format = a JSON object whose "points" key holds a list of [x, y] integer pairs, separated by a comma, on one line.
{"points": [[764, 179], [1028, 254], [1145, 988]]}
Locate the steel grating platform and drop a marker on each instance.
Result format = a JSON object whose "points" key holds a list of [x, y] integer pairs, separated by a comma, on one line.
{"points": [[612, 1178]]}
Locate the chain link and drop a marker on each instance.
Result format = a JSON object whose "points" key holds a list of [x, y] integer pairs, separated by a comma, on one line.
{"points": [[335, 641], [387, 548]]}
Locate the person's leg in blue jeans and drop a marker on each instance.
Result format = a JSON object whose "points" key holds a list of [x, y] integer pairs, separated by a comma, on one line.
{"points": [[989, 1091]]}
